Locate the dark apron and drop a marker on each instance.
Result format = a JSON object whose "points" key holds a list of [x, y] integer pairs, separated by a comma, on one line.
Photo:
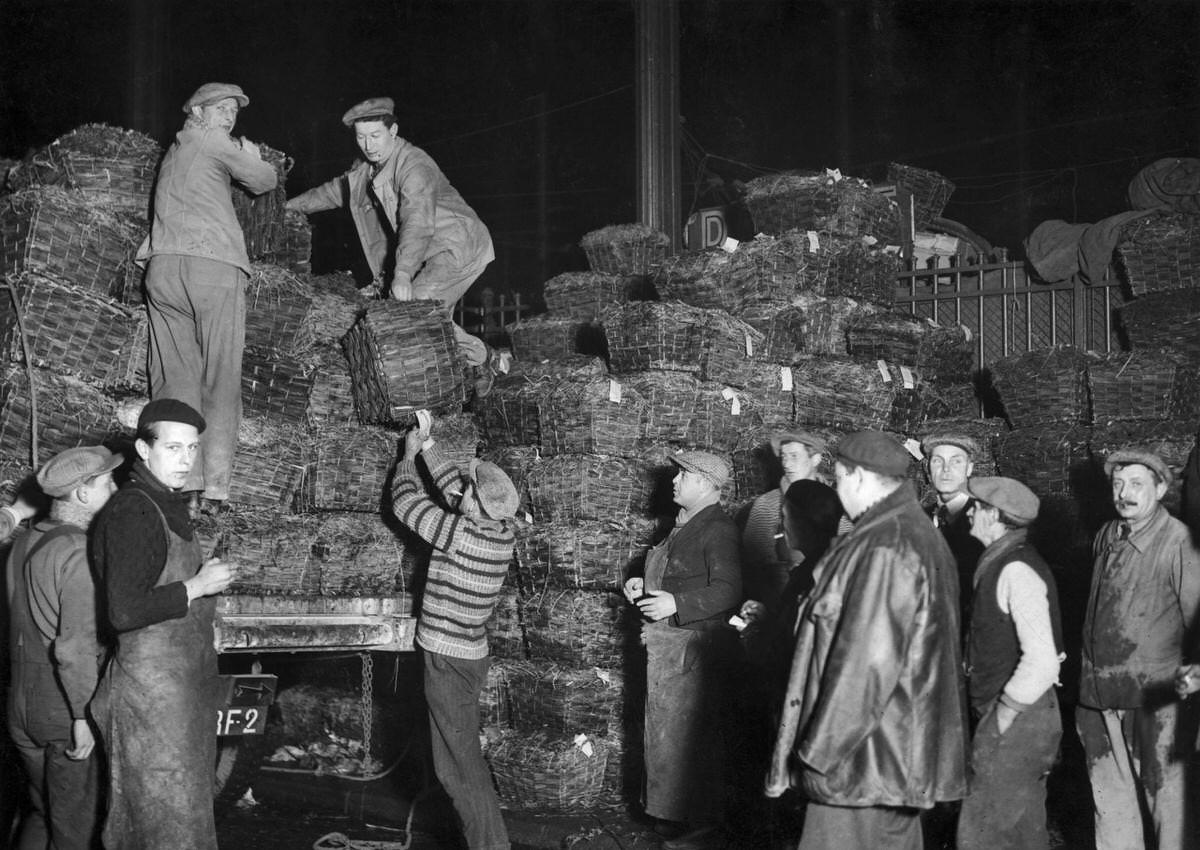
{"points": [[157, 711]]}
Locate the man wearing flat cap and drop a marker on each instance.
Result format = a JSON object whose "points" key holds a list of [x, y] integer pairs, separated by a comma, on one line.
{"points": [[157, 700], [56, 654], [1137, 734], [469, 524], [420, 238], [1014, 650], [691, 583], [873, 725], [197, 274], [949, 463]]}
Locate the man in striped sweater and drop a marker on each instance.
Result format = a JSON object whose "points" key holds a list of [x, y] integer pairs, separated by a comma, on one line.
{"points": [[468, 523]]}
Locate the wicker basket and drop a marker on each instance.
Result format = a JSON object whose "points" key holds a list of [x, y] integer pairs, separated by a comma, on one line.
{"points": [[547, 338], [70, 413], [579, 628], [269, 467], [951, 401], [582, 296], [862, 271], [506, 632], [564, 700], [331, 398], [68, 236], [841, 393], [351, 469], [516, 461], [699, 278], [939, 352], [683, 411], [403, 357], [116, 167], [277, 306], [769, 394], [262, 216], [510, 413], [625, 249], [581, 487], [930, 191], [276, 386], [1160, 253], [782, 325], [1132, 385], [539, 773], [1052, 459], [777, 268], [826, 202], [361, 555], [273, 553], [292, 248], [457, 438], [336, 307], [1043, 386], [1166, 321], [591, 415], [582, 555]]}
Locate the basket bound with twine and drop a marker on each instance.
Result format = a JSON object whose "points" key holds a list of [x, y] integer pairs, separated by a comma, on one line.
{"points": [[688, 412], [1160, 253], [275, 385], [70, 413], [549, 338], [583, 554], [842, 393], [930, 191], [1164, 320], [828, 202], [361, 555], [1132, 385], [625, 249], [351, 469], [1050, 459], [270, 464], [1043, 386], [506, 632], [584, 295], [580, 487], [564, 700], [699, 278], [273, 552], [261, 216], [510, 413], [579, 628], [117, 167], [539, 772], [940, 352], [403, 358], [591, 415]]}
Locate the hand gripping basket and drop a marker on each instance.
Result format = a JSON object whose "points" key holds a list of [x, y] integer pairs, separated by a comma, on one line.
{"points": [[625, 249]]}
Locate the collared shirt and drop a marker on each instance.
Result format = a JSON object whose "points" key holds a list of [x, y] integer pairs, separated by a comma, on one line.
{"points": [[1144, 595]]}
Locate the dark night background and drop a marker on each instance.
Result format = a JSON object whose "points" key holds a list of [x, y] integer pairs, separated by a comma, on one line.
{"points": [[1035, 109]]}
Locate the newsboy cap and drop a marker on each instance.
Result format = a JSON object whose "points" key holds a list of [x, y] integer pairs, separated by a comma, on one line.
{"points": [[371, 109], [713, 467], [804, 438], [74, 467], [496, 493], [1007, 494], [1145, 457], [171, 410], [876, 451], [962, 441], [212, 92]]}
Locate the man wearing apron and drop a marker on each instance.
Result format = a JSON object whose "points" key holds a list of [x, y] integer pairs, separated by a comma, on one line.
{"points": [[692, 583], [157, 701]]}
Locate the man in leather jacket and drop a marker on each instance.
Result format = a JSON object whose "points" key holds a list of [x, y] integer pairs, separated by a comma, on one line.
{"points": [[873, 727]]}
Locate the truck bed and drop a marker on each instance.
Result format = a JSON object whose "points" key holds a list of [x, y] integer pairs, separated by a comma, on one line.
{"points": [[314, 623]]}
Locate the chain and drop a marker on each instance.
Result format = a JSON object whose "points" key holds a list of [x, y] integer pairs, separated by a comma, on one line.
{"points": [[368, 696]]}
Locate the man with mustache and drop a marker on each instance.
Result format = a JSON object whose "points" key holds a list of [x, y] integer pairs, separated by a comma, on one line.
{"points": [[1137, 734], [196, 278]]}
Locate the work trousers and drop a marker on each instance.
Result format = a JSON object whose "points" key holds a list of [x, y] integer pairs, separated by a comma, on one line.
{"points": [[442, 279], [1139, 756], [64, 794], [452, 688], [197, 310], [1006, 808], [873, 827]]}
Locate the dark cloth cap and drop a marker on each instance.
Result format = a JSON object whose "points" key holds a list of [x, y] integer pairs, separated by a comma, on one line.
{"points": [[1007, 494], [875, 451], [804, 438], [496, 493], [212, 92], [371, 109], [962, 441], [75, 467], [171, 410], [1145, 457], [711, 466]]}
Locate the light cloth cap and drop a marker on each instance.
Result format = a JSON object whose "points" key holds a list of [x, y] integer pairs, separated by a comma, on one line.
{"points": [[1145, 457], [74, 467], [817, 444], [496, 493], [1007, 494], [962, 441], [371, 109], [875, 451], [212, 92], [713, 467]]}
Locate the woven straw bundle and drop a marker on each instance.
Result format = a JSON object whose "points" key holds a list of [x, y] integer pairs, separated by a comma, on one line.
{"points": [[336, 306], [1133, 385], [361, 555], [579, 628], [456, 437], [825, 321], [67, 235], [625, 249], [671, 400], [940, 352], [591, 415], [510, 414], [292, 248], [273, 553], [699, 278], [1043, 386], [351, 469], [985, 432], [930, 191], [583, 555], [951, 401], [115, 166], [331, 399], [72, 332], [783, 328], [403, 358], [863, 271], [548, 338], [1164, 320], [777, 268], [70, 413], [584, 295], [846, 206], [262, 216], [564, 700], [769, 394], [1159, 253], [269, 467], [274, 385], [506, 632], [842, 393], [577, 487], [516, 461], [278, 303], [536, 772], [1051, 459]]}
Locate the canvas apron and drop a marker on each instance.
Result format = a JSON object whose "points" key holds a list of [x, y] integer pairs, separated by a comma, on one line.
{"points": [[158, 701]]}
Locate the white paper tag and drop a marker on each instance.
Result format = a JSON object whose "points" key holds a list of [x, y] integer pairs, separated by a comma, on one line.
{"points": [[813, 242], [424, 420], [914, 448], [584, 743], [967, 332], [727, 393], [737, 622], [749, 346], [785, 378], [529, 517], [735, 408], [835, 173], [729, 245], [614, 391], [883, 371], [906, 376]]}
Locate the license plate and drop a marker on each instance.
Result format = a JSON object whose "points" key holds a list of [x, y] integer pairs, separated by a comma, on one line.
{"points": [[244, 709]]}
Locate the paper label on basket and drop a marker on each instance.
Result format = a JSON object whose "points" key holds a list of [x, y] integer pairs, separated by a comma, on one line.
{"points": [[906, 376], [529, 517], [813, 242], [424, 420], [614, 391], [835, 173], [584, 743], [785, 378], [729, 245], [914, 448], [883, 371], [749, 346]]}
